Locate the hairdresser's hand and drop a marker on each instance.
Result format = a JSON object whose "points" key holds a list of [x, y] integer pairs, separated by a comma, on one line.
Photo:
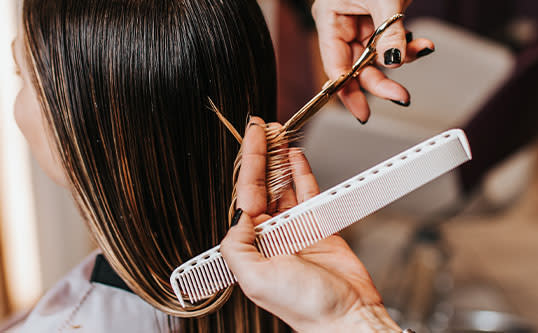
{"points": [[324, 286], [344, 27]]}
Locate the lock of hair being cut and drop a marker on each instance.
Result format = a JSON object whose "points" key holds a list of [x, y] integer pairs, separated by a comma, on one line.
{"points": [[124, 86]]}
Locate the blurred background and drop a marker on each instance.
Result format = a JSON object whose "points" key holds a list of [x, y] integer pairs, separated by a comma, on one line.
{"points": [[458, 255]]}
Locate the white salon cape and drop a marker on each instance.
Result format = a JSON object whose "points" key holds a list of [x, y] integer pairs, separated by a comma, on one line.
{"points": [[77, 305]]}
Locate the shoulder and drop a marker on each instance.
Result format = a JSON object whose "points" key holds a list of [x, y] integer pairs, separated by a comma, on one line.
{"points": [[78, 305]]}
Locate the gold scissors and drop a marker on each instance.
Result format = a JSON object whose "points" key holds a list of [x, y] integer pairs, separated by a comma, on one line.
{"points": [[331, 87]]}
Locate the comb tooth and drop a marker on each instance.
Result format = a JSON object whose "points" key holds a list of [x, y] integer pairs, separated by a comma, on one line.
{"points": [[258, 244], [214, 278], [287, 240], [330, 213], [321, 227], [192, 287], [294, 234], [293, 241], [218, 276], [272, 250], [221, 280], [261, 245], [297, 234], [326, 221], [185, 282], [305, 233], [340, 208], [182, 287], [208, 278], [220, 269], [273, 243], [267, 242], [224, 270], [202, 281], [279, 241], [197, 287], [302, 240], [315, 225], [310, 228], [332, 210], [266, 245], [304, 230]]}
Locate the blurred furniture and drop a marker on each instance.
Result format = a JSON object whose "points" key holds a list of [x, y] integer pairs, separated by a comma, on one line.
{"points": [[468, 82]]}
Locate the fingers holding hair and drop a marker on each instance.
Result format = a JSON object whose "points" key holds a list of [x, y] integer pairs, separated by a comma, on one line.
{"points": [[251, 189]]}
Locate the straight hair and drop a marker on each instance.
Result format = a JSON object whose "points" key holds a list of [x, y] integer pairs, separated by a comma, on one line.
{"points": [[124, 85]]}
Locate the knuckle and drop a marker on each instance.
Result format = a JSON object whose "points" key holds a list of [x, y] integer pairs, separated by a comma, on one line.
{"points": [[392, 36]]}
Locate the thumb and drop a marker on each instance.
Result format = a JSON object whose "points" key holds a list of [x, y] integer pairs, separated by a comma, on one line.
{"points": [[240, 253], [391, 47]]}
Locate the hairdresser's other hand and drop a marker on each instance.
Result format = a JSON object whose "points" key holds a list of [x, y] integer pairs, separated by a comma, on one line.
{"points": [[324, 286], [344, 27]]}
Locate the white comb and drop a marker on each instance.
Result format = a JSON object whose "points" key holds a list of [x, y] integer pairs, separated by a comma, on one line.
{"points": [[329, 212]]}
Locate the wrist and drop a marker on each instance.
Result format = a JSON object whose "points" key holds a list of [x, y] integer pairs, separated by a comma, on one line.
{"points": [[360, 318]]}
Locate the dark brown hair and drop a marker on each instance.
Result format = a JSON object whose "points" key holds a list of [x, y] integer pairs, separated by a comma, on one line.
{"points": [[125, 85]]}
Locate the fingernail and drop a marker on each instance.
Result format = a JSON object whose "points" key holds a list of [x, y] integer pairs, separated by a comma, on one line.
{"points": [[424, 52], [409, 37], [362, 122], [401, 103], [393, 56], [236, 217]]}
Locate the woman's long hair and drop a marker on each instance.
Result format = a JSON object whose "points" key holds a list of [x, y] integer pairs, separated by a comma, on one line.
{"points": [[125, 86]]}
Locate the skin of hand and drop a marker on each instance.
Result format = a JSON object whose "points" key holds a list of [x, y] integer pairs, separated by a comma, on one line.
{"points": [[322, 287], [344, 28]]}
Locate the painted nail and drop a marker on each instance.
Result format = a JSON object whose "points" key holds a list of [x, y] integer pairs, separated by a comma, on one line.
{"points": [[424, 52], [401, 103], [393, 56], [236, 217], [409, 37], [362, 122]]}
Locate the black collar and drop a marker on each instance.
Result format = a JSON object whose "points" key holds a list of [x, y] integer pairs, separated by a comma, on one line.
{"points": [[104, 274]]}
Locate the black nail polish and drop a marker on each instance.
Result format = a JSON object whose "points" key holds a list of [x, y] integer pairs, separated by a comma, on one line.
{"points": [[424, 52], [362, 122], [409, 37], [236, 217], [406, 104], [393, 56]]}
